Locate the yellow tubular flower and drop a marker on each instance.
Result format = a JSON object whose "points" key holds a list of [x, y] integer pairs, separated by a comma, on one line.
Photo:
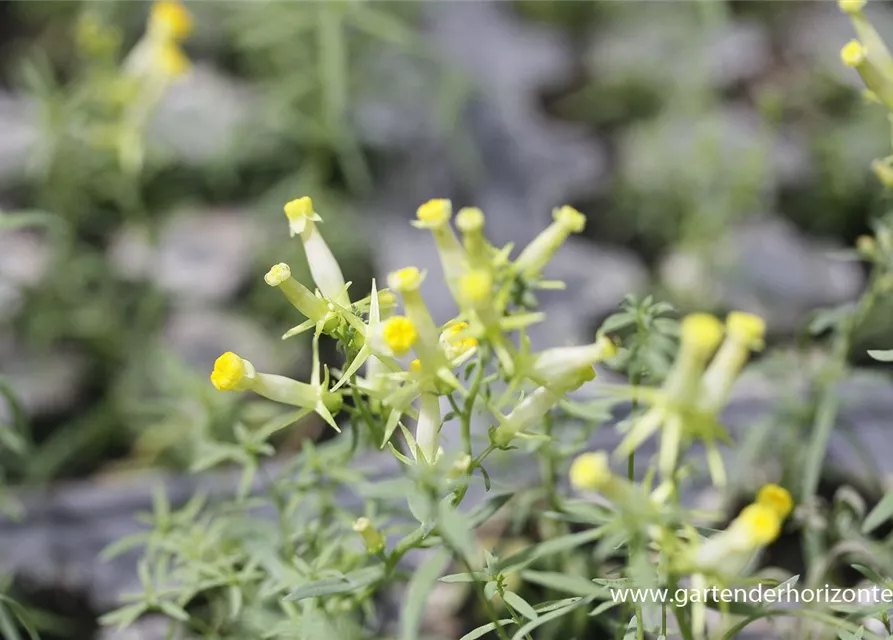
{"points": [[172, 62], [232, 373], [776, 498], [300, 296], [590, 471], [407, 282], [169, 20], [435, 215], [372, 537], [744, 333], [399, 334], [759, 524], [476, 287], [527, 413], [701, 334], [455, 340], [534, 257], [851, 6], [470, 221], [324, 267], [729, 551], [552, 366]]}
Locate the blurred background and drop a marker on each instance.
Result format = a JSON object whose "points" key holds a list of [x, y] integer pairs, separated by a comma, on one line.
{"points": [[720, 150]]}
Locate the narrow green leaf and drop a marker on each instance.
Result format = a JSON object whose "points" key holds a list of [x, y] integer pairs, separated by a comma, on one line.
{"points": [[480, 514], [882, 512], [456, 528], [523, 558], [575, 585], [520, 605], [329, 586], [552, 615], [882, 356], [480, 632], [421, 584]]}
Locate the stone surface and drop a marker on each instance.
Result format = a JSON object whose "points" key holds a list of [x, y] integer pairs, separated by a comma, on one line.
{"points": [[200, 257], [43, 382], [202, 117], [199, 336], [765, 267], [24, 259]]}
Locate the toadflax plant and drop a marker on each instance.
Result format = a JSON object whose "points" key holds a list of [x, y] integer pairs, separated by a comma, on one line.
{"points": [[315, 545]]}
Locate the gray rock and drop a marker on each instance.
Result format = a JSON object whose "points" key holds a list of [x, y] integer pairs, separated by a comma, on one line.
{"points": [[148, 628], [24, 259], [765, 267], [201, 117], [43, 382], [199, 336], [19, 137], [200, 256]]}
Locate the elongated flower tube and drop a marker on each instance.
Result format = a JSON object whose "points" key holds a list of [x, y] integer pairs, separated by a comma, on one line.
{"points": [[551, 367], [729, 551], [435, 215], [373, 539], [592, 472], [169, 20], [470, 221], [529, 412], [744, 333], [534, 257], [300, 296], [873, 43], [427, 433], [407, 282], [700, 335], [233, 373], [880, 82], [324, 267]]}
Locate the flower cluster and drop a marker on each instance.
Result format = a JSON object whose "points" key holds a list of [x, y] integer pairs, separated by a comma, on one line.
{"points": [[871, 58], [409, 359]]}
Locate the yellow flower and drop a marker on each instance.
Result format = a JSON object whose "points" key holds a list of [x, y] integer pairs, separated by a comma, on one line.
{"points": [[399, 334], [470, 219], [853, 53], [171, 59], [534, 257], [702, 332], [590, 471], [476, 286], [759, 523], [299, 211], [229, 371], [455, 341], [776, 498], [372, 537], [277, 274], [300, 296], [415, 366], [169, 19], [851, 6], [406, 279], [746, 328], [433, 214]]}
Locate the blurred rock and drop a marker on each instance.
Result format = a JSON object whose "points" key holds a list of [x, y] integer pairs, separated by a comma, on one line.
{"points": [[767, 268], [19, 136], [43, 382], [201, 117], [200, 257], [153, 627], [24, 259], [199, 336]]}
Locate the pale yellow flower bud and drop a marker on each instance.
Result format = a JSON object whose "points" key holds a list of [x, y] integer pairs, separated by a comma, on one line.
{"points": [[590, 471], [406, 279], [434, 214], [853, 54], [851, 6], [372, 537], [776, 498], [169, 20]]}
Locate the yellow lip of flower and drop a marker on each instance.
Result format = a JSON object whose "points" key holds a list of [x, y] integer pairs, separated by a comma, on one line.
{"points": [[853, 53], [851, 6], [702, 332], [399, 333], [590, 471], [415, 366], [434, 213], [470, 219], [746, 327], [298, 212], [761, 524], [171, 19], [570, 218], [608, 346], [171, 59], [406, 279], [229, 371], [277, 274], [776, 498], [476, 286]]}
